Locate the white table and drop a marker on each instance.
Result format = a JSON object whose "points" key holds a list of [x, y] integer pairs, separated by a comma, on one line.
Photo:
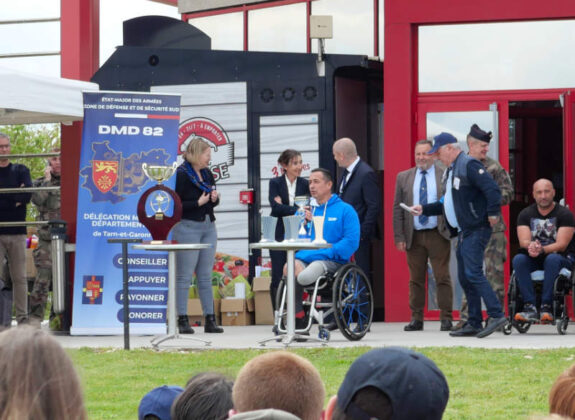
{"points": [[290, 247], [172, 248]]}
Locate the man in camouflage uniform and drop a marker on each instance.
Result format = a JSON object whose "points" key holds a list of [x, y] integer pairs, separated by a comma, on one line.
{"points": [[48, 203], [496, 250]]}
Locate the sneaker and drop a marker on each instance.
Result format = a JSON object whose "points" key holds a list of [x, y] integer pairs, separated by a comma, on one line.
{"points": [[546, 314], [529, 314], [492, 326]]}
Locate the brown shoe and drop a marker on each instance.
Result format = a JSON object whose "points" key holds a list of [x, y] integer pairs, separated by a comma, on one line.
{"points": [[458, 326]]}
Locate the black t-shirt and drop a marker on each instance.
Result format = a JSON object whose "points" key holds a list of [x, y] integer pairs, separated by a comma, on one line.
{"points": [[544, 228]]}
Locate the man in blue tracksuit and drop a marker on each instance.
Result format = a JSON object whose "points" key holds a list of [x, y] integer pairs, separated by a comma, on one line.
{"points": [[341, 229], [472, 206]]}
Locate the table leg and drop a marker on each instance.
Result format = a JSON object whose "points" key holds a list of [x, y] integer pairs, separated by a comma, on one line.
{"points": [[290, 301], [171, 307], [291, 335]]}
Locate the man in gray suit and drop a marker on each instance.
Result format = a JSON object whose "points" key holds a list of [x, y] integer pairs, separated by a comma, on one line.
{"points": [[423, 238]]}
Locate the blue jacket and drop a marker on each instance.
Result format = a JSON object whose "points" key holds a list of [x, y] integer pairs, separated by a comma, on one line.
{"points": [[340, 229], [475, 194]]}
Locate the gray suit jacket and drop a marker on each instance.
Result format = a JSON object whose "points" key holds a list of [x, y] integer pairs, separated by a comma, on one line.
{"points": [[402, 220]]}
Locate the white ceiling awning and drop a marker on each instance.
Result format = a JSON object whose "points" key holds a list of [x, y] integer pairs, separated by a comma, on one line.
{"points": [[27, 98]]}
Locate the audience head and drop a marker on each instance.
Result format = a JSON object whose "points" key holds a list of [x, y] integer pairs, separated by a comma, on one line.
{"points": [[391, 383], [562, 394], [208, 396], [280, 380], [38, 380], [157, 403]]}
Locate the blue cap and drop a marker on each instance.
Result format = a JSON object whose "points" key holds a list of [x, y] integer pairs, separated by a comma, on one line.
{"points": [[413, 383], [441, 140], [158, 402]]}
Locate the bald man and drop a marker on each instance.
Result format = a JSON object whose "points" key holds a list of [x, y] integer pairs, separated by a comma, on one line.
{"points": [[358, 186], [545, 232]]}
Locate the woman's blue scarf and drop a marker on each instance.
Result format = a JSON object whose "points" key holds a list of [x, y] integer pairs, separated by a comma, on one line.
{"points": [[187, 168]]}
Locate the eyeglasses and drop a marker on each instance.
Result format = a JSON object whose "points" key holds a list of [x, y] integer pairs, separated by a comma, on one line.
{"points": [[4, 146]]}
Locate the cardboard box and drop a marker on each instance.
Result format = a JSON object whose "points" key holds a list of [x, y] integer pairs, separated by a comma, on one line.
{"points": [[237, 312], [30, 267], [196, 315], [263, 304]]}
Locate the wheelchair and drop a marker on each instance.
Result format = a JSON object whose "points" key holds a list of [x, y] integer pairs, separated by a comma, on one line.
{"points": [[563, 288], [346, 296]]}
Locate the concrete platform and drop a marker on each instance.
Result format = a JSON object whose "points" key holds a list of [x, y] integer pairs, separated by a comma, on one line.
{"points": [[382, 334]]}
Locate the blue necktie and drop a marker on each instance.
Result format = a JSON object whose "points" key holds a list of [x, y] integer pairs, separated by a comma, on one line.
{"points": [[423, 196]]}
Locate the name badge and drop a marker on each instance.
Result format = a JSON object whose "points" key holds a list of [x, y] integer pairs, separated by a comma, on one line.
{"points": [[456, 182]]}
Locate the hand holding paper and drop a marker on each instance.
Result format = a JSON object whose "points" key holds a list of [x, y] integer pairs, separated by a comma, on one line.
{"points": [[414, 210]]}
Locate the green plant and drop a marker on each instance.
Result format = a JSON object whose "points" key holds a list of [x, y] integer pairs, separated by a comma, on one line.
{"points": [[484, 384], [28, 139]]}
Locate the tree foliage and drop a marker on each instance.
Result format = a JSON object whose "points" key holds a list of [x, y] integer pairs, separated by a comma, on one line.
{"points": [[33, 138]]}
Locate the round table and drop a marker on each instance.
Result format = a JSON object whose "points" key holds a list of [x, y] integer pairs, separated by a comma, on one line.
{"points": [[172, 248], [290, 247]]}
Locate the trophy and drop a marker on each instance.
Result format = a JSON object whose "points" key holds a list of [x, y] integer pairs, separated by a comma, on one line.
{"points": [[291, 227], [318, 226], [159, 197], [268, 228], [302, 201], [318, 222]]}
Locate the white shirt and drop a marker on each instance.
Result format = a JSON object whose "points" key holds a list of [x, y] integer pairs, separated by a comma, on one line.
{"points": [[291, 190], [431, 196], [349, 169]]}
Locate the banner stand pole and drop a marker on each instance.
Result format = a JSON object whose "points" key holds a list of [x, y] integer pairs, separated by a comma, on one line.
{"points": [[125, 299]]}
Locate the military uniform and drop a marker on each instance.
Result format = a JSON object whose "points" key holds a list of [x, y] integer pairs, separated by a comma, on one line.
{"points": [[496, 249], [48, 204]]}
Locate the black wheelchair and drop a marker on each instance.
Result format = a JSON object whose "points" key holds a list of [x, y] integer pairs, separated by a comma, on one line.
{"points": [[563, 288], [344, 296]]}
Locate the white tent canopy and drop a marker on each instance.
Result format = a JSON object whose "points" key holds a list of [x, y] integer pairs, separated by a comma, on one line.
{"points": [[27, 98]]}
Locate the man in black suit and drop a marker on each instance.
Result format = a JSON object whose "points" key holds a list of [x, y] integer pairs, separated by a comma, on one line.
{"points": [[358, 187]]}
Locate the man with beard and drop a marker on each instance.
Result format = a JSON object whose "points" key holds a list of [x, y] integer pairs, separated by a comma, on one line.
{"points": [[545, 232]]}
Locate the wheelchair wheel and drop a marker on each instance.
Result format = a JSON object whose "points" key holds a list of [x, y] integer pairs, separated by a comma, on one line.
{"points": [[507, 328], [352, 302], [562, 326], [522, 327], [324, 334], [512, 299]]}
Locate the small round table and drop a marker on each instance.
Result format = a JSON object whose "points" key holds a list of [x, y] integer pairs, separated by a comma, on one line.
{"points": [[172, 248], [290, 247]]}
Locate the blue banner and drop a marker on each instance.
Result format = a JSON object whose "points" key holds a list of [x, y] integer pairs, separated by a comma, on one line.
{"points": [[122, 130]]}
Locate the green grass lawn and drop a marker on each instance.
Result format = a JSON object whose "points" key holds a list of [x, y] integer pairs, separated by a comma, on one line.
{"points": [[484, 384]]}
